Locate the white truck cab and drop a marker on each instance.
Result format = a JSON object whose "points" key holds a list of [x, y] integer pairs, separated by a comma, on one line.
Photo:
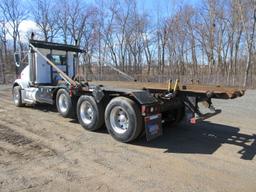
{"points": [[39, 81]]}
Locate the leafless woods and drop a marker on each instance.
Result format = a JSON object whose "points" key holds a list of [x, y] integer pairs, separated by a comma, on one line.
{"points": [[212, 41]]}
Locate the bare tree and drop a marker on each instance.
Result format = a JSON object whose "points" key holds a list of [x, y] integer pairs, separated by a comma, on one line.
{"points": [[14, 13], [3, 47], [213, 41], [248, 14], [45, 17]]}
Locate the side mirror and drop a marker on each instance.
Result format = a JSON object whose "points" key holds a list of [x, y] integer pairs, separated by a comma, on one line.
{"points": [[17, 59]]}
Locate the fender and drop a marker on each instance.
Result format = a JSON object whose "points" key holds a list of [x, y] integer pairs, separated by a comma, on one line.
{"points": [[23, 81], [20, 82]]}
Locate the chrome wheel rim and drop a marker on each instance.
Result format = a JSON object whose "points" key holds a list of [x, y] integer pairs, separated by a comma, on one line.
{"points": [[16, 95], [119, 120], [87, 112], [63, 103]]}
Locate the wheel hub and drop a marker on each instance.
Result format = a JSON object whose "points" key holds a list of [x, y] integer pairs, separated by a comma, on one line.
{"points": [[119, 120], [87, 112], [63, 103]]}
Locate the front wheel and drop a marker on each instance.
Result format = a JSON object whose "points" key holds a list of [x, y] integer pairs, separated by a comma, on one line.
{"points": [[123, 119], [64, 103], [16, 94]]}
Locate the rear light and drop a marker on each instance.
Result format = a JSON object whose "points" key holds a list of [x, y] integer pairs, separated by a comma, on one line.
{"points": [[144, 110], [193, 120], [71, 91], [148, 110]]}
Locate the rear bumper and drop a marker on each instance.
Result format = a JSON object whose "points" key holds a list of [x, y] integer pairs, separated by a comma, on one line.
{"points": [[198, 118]]}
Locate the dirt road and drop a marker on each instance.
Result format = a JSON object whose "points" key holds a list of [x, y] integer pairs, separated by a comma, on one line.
{"points": [[41, 151]]}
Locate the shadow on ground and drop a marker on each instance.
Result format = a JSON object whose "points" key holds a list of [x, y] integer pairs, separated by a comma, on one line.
{"points": [[43, 107], [203, 138]]}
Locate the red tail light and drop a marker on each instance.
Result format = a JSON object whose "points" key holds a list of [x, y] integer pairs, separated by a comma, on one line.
{"points": [[148, 110], [71, 91]]}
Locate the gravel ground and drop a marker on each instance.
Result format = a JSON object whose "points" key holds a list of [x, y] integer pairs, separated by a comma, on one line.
{"points": [[41, 151]]}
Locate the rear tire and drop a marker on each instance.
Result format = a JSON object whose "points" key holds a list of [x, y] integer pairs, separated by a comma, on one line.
{"points": [[123, 119], [64, 103], [17, 98], [89, 113]]}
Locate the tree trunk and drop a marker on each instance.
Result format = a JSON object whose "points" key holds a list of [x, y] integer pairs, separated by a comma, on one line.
{"points": [[250, 47]]}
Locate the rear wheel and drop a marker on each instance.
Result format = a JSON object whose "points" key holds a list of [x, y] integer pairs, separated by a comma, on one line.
{"points": [[64, 103], [123, 119], [17, 98], [89, 113]]}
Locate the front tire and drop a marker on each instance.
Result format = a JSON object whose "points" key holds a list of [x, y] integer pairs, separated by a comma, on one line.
{"points": [[17, 98], [89, 113], [123, 119], [64, 103]]}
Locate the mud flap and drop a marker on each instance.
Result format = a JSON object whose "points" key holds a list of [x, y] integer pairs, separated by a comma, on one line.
{"points": [[153, 126]]}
